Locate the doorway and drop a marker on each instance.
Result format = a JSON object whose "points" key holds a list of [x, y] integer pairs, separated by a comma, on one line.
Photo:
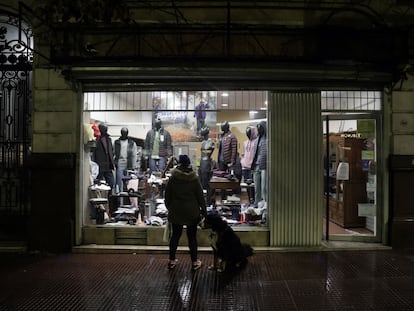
{"points": [[352, 201]]}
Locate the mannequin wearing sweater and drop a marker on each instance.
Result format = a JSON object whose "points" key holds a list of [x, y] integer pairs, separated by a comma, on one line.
{"points": [[248, 154], [125, 156], [157, 146]]}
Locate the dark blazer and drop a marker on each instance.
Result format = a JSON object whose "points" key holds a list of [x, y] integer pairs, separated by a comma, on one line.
{"points": [[104, 158]]}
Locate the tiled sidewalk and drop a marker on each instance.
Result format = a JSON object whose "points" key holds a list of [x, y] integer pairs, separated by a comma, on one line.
{"points": [[337, 280]]}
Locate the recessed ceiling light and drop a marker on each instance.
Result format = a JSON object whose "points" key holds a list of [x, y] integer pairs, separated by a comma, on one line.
{"points": [[224, 105], [224, 94]]}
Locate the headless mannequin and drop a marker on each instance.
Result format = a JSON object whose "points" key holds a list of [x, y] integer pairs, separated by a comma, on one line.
{"points": [[125, 156], [205, 171]]}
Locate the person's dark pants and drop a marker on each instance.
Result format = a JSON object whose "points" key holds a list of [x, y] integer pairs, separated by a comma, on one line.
{"points": [[177, 230]]}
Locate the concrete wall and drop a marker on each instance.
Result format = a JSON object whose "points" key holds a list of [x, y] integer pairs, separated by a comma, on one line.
{"points": [[56, 111], [403, 118]]}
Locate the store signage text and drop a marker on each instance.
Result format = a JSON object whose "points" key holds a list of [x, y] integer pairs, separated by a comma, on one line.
{"points": [[353, 135]]}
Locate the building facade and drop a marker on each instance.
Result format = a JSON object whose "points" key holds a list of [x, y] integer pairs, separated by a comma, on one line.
{"points": [[294, 51]]}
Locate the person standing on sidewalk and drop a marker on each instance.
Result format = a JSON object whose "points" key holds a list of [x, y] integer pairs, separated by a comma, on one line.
{"points": [[186, 205]]}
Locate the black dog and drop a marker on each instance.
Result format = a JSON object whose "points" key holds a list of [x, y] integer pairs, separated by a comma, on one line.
{"points": [[228, 251]]}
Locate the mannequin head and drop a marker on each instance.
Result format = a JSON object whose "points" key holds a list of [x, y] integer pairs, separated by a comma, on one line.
{"points": [[103, 129], [249, 132], [261, 128], [124, 133], [205, 131], [157, 124], [225, 127]]}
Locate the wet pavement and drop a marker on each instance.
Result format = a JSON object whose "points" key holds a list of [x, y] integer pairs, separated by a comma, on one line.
{"points": [[337, 280]]}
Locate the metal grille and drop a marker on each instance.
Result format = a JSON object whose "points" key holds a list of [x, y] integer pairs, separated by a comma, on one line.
{"points": [[351, 100], [15, 121]]}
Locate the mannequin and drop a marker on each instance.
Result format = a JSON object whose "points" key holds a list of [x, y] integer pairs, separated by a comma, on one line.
{"points": [[125, 156], [259, 164], [205, 171], [104, 155], [247, 158], [227, 148], [248, 151], [157, 146]]}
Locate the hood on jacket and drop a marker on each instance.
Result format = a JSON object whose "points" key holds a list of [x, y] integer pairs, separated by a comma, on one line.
{"points": [[262, 126], [184, 173], [253, 132]]}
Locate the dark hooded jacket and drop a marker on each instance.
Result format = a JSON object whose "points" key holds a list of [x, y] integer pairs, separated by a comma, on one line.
{"points": [[260, 158], [103, 154], [184, 197]]}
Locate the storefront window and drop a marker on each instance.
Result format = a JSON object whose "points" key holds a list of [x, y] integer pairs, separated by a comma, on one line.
{"points": [[141, 137]]}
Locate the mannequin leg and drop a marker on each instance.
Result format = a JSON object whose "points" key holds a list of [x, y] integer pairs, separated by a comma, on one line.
{"points": [[161, 164], [263, 178], [119, 174], [257, 179]]}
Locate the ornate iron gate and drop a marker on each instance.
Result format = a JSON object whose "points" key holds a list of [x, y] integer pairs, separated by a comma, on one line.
{"points": [[15, 124]]}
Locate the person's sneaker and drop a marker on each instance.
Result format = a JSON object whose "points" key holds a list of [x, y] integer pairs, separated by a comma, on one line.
{"points": [[172, 264], [197, 265]]}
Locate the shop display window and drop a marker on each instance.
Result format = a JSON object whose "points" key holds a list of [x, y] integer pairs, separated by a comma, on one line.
{"points": [[133, 141]]}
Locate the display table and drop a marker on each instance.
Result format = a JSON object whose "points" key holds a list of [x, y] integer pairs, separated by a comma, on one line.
{"points": [[220, 183]]}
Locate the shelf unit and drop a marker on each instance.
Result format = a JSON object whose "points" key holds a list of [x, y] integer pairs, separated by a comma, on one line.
{"points": [[344, 195]]}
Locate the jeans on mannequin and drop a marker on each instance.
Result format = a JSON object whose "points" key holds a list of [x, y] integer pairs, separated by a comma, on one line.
{"points": [[260, 185], [157, 165], [119, 174], [108, 176]]}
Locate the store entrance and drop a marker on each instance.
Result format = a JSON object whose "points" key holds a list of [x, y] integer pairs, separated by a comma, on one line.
{"points": [[352, 205]]}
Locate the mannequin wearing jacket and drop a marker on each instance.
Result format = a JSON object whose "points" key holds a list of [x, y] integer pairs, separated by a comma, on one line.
{"points": [[227, 148], [157, 146], [259, 165], [104, 155], [125, 156]]}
